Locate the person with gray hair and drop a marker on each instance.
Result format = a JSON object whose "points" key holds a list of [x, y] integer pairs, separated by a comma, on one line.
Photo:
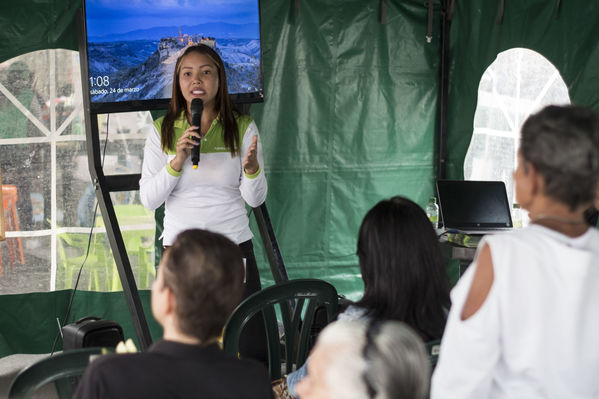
{"points": [[523, 322], [354, 359]]}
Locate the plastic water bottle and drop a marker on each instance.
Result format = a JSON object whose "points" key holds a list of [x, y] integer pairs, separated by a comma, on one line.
{"points": [[432, 211], [517, 216]]}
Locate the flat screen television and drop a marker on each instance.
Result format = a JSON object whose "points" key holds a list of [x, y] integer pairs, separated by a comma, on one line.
{"points": [[129, 48]]}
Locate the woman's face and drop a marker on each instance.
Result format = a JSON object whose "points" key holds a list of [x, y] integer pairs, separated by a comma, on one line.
{"points": [[198, 78]]}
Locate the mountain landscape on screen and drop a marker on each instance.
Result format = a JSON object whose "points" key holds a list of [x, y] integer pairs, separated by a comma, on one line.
{"points": [[134, 66]]}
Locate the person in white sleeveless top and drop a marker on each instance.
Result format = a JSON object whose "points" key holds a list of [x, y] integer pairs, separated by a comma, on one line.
{"points": [[524, 321]]}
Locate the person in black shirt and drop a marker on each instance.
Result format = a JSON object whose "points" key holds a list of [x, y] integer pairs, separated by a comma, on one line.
{"points": [[199, 283]]}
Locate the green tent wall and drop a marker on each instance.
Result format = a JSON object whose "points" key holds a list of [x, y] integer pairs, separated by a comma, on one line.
{"points": [[564, 32], [349, 118]]}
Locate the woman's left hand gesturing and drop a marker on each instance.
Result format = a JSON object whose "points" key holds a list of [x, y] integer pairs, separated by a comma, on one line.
{"points": [[250, 163]]}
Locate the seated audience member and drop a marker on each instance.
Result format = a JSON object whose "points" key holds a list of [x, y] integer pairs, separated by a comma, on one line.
{"points": [[524, 321], [199, 283], [405, 277], [360, 360]]}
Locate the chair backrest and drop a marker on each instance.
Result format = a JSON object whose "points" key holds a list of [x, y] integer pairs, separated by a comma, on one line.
{"points": [[59, 369], [2, 233], [9, 194], [297, 302]]}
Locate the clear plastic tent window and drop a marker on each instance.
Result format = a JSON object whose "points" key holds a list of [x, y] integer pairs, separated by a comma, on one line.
{"points": [[44, 163], [518, 83]]}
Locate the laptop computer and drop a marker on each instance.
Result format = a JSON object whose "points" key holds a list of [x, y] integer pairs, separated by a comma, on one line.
{"points": [[474, 207]]}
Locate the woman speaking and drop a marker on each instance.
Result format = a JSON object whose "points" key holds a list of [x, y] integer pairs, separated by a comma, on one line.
{"points": [[228, 175]]}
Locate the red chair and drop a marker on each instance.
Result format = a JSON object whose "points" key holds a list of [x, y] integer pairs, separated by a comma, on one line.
{"points": [[9, 205]]}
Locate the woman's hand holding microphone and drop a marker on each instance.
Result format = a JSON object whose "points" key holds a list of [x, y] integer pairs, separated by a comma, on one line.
{"points": [[184, 144]]}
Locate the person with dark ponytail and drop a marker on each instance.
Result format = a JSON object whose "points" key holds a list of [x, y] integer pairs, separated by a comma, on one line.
{"points": [[229, 174], [405, 277]]}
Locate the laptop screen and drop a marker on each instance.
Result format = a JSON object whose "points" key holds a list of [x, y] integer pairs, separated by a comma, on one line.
{"points": [[468, 204]]}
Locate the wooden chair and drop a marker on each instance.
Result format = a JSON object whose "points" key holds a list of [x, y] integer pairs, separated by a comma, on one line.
{"points": [[297, 320], [62, 369]]}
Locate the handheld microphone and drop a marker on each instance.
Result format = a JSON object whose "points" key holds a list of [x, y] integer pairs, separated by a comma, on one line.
{"points": [[197, 107]]}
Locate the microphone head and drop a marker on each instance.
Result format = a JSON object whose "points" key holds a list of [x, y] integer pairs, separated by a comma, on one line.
{"points": [[197, 106]]}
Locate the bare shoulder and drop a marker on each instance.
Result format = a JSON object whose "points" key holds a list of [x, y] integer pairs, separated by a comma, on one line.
{"points": [[481, 283]]}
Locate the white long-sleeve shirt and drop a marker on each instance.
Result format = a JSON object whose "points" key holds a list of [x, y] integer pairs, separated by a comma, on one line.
{"points": [[211, 197], [535, 336]]}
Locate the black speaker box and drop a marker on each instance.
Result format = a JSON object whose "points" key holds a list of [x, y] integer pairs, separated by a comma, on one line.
{"points": [[91, 331]]}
